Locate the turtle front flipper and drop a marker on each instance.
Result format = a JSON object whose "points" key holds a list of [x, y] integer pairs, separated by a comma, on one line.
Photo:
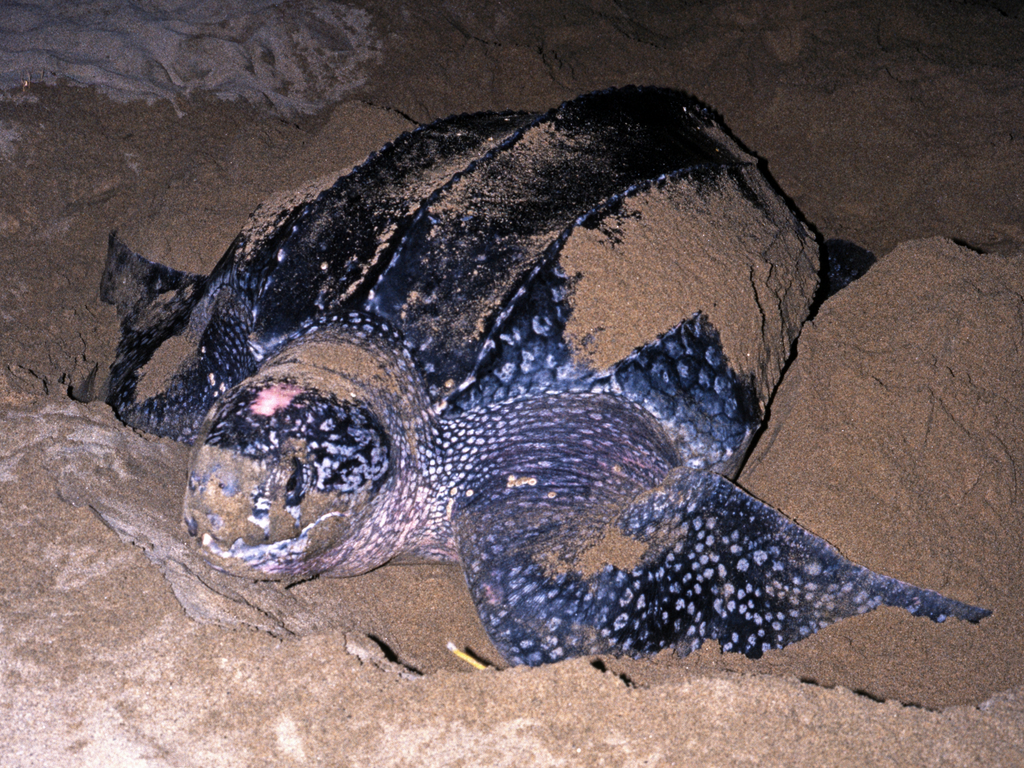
{"points": [[695, 558]]}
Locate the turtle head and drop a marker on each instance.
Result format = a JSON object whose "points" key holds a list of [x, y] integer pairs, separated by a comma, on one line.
{"points": [[316, 463]]}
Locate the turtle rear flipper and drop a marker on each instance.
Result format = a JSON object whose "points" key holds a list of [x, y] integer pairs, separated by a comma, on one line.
{"points": [[694, 559]]}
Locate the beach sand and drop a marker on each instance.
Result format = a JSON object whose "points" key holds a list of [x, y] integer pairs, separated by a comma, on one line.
{"points": [[895, 434]]}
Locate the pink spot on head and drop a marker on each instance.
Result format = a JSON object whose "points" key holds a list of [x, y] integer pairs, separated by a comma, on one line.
{"points": [[274, 398]]}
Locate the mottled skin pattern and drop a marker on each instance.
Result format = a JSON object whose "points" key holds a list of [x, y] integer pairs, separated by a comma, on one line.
{"points": [[384, 371]]}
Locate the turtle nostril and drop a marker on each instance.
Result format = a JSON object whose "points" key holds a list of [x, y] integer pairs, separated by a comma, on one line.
{"points": [[261, 519]]}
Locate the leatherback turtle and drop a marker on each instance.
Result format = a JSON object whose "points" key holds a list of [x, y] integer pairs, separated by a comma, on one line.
{"points": [[384, 371]]}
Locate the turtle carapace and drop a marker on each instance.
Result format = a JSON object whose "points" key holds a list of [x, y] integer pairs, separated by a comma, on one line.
{"points": [[401, 366]]}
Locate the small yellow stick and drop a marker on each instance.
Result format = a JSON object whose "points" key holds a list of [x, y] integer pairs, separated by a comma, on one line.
{"points": [[466, 657]]}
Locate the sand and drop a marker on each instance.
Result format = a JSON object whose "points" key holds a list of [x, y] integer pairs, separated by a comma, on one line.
{"points": [[896, 432]]}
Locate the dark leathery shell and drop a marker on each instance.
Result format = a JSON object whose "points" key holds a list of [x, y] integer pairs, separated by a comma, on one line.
{"points": [[322, 256], [481, 234]]}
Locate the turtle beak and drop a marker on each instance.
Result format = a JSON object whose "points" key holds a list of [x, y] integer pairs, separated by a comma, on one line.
{"points": [[213, 502], [229, 499], [237, 533]]}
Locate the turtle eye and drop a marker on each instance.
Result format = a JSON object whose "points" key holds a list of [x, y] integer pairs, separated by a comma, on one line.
{"points": [[295, 488]]}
